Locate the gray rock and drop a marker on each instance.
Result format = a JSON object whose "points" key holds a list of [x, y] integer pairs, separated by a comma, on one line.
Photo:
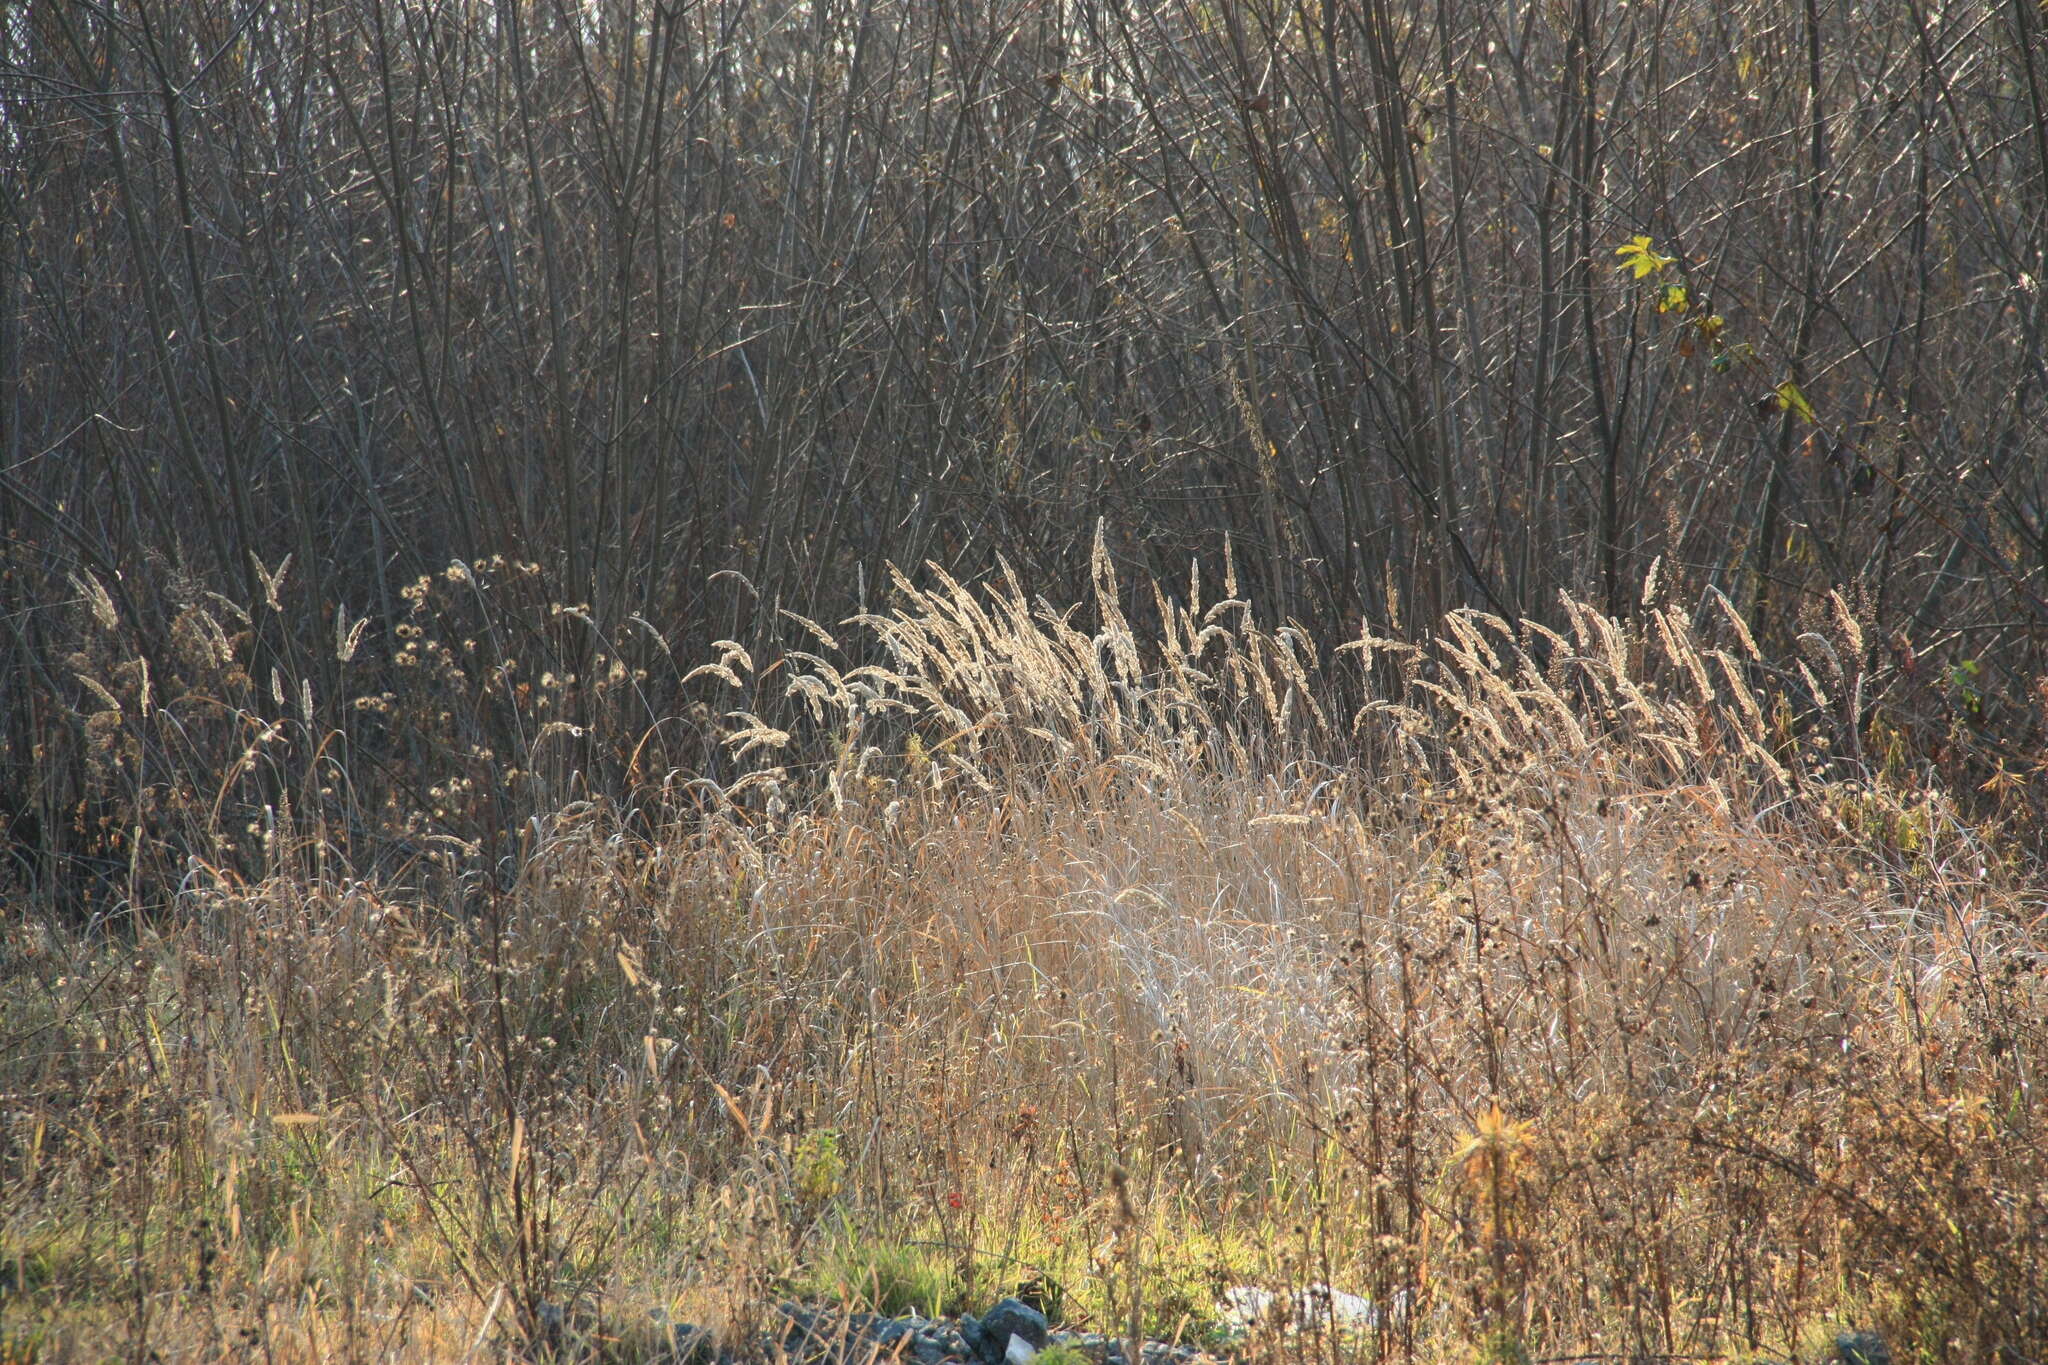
{"points": [[1110, 1350], [989, 1338], [889, 1331], [826, 1336], [1862, 1348], [688, 1343], [550, 1323]]}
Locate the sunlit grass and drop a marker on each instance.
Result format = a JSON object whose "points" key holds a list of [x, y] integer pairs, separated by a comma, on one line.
{"points": [[1571, 997]]}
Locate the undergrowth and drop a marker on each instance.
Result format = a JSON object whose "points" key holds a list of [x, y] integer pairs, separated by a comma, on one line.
{"points": [[1596, 993]]}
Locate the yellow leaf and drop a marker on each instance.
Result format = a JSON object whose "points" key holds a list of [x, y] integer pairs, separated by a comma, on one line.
{"points": [[1638, 255], [1792, 400]]}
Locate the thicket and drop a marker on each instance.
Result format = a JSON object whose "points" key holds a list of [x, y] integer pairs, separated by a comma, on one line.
{"points": [[396, 391]]}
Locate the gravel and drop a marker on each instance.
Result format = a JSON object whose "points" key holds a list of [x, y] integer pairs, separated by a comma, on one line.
{"points": [[1010, 1332], [1013, 1332]]}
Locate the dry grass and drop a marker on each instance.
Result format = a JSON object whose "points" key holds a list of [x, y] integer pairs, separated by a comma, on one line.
{"points": [[1580, 993]]}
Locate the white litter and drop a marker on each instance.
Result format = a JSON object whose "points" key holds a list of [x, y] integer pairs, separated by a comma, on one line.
{"points": [[1245, 1307]]}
